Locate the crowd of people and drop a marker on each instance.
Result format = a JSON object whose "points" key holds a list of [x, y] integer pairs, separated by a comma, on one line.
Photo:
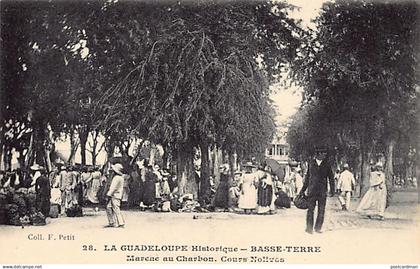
{"points": [[28, 198], [253, 190], [65, 190]]}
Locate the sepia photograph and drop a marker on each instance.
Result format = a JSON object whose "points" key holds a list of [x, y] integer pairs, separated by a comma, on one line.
{"points": [[209, 132]]}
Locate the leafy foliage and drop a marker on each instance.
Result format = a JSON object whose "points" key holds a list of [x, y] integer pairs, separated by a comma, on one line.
{"points": [[359, 71]]}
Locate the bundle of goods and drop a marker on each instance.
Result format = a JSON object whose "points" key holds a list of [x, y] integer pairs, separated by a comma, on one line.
{"points": [[30, 199], [55, 203], [301, 201], [282, 200], [3, 208], [189, 204], [74, 210], [19, 208], [38, 219]]}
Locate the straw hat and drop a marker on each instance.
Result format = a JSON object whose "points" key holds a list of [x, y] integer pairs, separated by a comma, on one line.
{"points": [[118, 168], [36, 167], [248, 164], [224, 166], [164, 173]]}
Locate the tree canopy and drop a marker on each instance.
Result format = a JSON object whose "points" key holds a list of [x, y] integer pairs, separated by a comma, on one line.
{"points": [[359, 72]]}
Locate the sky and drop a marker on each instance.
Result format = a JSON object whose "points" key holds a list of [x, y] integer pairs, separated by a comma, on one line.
{"points": [[287, 100]]}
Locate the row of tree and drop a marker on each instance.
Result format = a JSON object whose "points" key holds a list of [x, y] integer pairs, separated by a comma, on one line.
{"points": [[359, 70], [187, 75]]}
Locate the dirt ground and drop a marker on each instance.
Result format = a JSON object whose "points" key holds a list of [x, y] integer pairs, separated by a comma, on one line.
{"points": [[347, 237]]}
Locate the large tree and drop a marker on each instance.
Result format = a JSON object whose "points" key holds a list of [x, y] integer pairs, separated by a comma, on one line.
{"points": [[194, 83], [48, 79], [359, 68]]}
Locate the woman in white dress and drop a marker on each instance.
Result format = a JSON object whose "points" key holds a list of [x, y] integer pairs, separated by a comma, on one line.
{"points": [[298, 179], [86, 178], [373, 202], [94, 186], [248, 185]]}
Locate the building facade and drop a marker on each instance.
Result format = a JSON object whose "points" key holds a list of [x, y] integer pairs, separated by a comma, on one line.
{"points": [[279, 150]]}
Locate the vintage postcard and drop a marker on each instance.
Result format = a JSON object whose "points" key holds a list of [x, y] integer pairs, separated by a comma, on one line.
{"points": [[217, 132]]}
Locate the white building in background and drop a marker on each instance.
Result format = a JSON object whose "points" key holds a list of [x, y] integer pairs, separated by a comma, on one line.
{"points": [[279, 150]]}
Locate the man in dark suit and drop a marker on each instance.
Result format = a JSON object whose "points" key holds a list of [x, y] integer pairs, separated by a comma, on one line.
{"points": [[316, 180]]}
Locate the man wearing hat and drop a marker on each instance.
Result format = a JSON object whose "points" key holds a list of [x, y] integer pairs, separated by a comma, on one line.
{"points": [[346, 183], [114, 196], [42, 189], [316, 180], [67, 183]]}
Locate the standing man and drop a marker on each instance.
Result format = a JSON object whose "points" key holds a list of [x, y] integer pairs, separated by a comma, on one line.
{"points": [[316, 180], [67, 183], [43, 190], [346, 183], [114, 196]]}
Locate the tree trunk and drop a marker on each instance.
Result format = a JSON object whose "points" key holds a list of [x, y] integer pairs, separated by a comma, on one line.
{"points": [[358, 172], [418, 177], [29, 153], [73, 147], [48, 163], [216, 163], [152, 155], [204, 195], [235, 164], [211, 160], [1, 147], [389, 155], [185, 170], [417, 169], [165, 158], [7, 157], [39, 130], [109, 148], [365, 166], [83, 136], [21, 159], [94, 146], [232, 165], [389, 167]]}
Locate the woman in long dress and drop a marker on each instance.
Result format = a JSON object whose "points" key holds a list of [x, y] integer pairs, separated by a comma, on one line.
{"points": [[85, 180], [248, 198], [149, 195], [373, 202], [298, 180], [94, 186], [221, 199], [289, 185], [135, 198], [266, 196]]}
